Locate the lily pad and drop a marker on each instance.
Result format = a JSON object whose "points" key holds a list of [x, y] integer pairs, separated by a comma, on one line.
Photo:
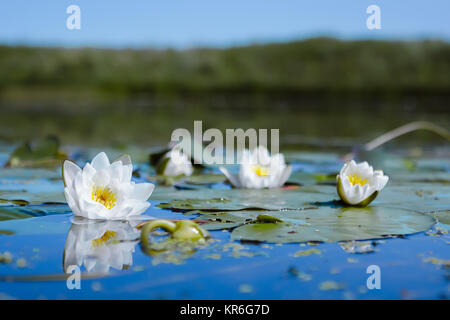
{"points": [[227, 220], [34, 191], [442, 216], [242, 199], [45, 153], [202, 179], [12, 214], [199, 181], [422, 197], [421, 177], [13, 197], [335, 224], [29, 174]]}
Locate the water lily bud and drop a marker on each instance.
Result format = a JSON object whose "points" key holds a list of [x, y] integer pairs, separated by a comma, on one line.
{"points": [[175, 163], [359, 184]]}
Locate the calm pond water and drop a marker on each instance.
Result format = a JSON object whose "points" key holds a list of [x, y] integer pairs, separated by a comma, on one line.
{"points": [[41, 239]]}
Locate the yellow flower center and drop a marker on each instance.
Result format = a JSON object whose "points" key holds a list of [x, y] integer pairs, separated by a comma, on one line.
{"points": [[105, 196], [108, 235], [261, 171], [356, 179]]}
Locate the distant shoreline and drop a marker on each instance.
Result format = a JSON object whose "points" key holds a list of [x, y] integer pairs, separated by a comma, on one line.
{"points": [[313, 69]]}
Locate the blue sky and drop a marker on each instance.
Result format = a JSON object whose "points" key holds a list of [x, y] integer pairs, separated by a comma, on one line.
{"points": [[189, 23]]}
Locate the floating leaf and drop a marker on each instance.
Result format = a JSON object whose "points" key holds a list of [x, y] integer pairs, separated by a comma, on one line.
{"points": [[12, 214], [45, 153], [21, 197], [265, 218], [240, 199], [335, 224], [225, 220], [442, 217], [422, 197], [201, 179]]}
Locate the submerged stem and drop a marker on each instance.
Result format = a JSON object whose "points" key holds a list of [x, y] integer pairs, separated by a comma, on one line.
{"points": [[154, 224]]}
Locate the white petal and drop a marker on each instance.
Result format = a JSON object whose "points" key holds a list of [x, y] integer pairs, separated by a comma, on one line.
{"points": [[120, 213], [138, 207], [71, 202], [277, 161], [285, 175], [70, 170], [354, 194], [380, 180], [92, 210], [234, 180], [256, 182], [142, 191], [346, 183], [101, 178], [88, 174], [261, 156], [124, 159], [100, 161], [363, 166], [116, 170], [245, 157], [347, 166], [127, 173]]}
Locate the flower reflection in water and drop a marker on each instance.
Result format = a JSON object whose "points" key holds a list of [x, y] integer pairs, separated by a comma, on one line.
{"points": [[100, 245]]}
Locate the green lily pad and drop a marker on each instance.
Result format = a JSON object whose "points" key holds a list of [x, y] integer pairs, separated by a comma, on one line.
{"points": [[201, 179], [28, 174], [265, 218], [13, 214], [31, 190], [13, 197], [421, 177], [304, 178], [312, 157], [194, 182], [244, 199], [334, 224], [45, 153], [442, 217], [227, 220], [422, 197]]}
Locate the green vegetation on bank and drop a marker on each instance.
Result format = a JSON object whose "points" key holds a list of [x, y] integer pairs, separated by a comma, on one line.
{"points": [[318, 88], [320, 64]]}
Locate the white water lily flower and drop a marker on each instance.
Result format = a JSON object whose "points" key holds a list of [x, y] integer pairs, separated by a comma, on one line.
{"points": [[175, 163], [259, 169], [359, 184], [105, 191], [100, 245]]}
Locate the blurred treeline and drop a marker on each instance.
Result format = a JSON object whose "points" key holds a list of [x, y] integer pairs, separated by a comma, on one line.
{"points": [[319, 87], [316, 66]]}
